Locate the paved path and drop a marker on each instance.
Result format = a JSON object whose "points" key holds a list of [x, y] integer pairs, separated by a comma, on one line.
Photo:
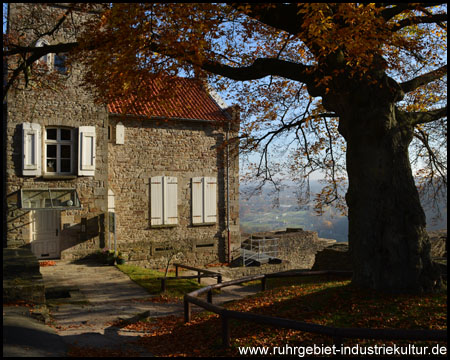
{"points": [[101, 294], [24, 336]]}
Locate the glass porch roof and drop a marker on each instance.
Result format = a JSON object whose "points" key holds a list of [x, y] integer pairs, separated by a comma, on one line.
{"points": [[49, 199]]}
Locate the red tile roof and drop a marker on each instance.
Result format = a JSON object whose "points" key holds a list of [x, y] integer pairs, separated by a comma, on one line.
{"points": [[181, 98]]}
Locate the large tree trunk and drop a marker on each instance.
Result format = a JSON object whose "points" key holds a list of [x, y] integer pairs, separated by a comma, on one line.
{"points": [[387, 238]]}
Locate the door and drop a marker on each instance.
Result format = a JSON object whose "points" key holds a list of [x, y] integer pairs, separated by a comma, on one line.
{"points": [[45, 230]]}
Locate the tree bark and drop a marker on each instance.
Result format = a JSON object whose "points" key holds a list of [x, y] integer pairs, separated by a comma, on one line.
{"points": [[388, 242]]}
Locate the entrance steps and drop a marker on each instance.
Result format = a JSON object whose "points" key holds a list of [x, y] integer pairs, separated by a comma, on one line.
{"points": [[22, 280]]}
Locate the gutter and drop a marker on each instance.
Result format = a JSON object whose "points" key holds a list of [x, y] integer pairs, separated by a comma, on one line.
{"points": [[162, 118]]}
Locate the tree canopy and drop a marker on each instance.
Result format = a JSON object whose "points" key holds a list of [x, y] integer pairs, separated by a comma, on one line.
{"points": [[285, 58], [355, 90]]}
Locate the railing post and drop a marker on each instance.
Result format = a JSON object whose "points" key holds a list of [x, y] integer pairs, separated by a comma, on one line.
{"points": [[198, 274], [176, 270], [219, 279], [210, 296], [264, 283], [225, 331], [187, 311], [163, 284]]}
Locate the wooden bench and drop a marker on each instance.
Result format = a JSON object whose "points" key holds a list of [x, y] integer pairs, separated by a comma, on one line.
{"points": [[201, 273]]}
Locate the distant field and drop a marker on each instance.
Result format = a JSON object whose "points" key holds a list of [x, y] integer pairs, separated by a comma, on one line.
{"points": [[280, 219]]}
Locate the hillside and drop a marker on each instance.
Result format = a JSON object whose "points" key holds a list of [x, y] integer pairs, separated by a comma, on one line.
{"points": [[268, 211]]}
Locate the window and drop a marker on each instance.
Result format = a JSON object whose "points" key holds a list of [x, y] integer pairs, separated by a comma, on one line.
{"points": [[59, 151], [164, 200], [204, 200], [52, 61], [60, 63], [45, 61]]}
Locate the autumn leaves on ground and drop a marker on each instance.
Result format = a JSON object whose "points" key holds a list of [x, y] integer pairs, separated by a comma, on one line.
{"points": [[316, 300]]}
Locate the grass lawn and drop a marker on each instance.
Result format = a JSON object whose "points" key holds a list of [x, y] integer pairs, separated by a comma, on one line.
{"points": [[147, 278]]}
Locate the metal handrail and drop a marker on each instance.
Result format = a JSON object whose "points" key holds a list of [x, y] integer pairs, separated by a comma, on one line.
{"points": [[259, 249]]}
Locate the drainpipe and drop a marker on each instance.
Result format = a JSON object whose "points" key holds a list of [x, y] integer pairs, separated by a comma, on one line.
{"points": [[228, 196]]}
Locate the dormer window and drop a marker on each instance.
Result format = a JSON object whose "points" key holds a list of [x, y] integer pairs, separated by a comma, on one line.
{"points": [[47, 59], [52, 61]]}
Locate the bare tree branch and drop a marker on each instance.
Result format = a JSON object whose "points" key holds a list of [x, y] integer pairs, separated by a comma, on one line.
{"points": [[59, 23], [261, 68], [435, 18], [424, 117], [433, 160], [440, 24], [39, 51], [398, 8], [424, 79]]}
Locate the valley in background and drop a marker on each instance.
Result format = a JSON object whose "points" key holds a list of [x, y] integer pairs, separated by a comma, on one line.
{"points": [[267, 211]]}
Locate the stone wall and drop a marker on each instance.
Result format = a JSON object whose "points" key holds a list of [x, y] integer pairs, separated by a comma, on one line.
{"points": [[182, 149], [334, 257], [337, 257], [68, 105], [438, 239]]}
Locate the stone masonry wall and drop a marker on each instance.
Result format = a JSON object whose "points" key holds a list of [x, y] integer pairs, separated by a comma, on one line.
{"points": [[183, 149], [69, 106]]}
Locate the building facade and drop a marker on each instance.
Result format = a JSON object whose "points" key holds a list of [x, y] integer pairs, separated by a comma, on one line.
{"points": [[81, 177]]}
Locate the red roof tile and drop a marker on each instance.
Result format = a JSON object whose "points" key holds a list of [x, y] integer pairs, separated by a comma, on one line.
{"points": [[178, 98]]}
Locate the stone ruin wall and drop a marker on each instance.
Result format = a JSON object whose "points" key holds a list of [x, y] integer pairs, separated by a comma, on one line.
{"points": [[305, 250]]}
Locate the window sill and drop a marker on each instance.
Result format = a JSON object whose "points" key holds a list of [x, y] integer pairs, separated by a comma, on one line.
{"points": [[163, 226], [59, 177], [204, 224]]}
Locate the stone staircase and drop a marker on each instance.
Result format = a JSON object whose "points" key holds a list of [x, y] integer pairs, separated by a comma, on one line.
{"points": [[22, 280]]}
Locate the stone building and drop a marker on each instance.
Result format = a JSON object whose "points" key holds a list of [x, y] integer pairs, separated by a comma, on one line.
{"points": [[170, 178]]}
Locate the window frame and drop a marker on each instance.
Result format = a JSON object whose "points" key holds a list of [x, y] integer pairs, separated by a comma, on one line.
{"points": [[58, 143]]}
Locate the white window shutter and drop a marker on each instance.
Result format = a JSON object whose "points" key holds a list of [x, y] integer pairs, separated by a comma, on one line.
{"points": [[157, 196], [86, 150], [31, 149], [120, 134], [170, 200], [204, 200], [210, 199], [197, 200]]}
